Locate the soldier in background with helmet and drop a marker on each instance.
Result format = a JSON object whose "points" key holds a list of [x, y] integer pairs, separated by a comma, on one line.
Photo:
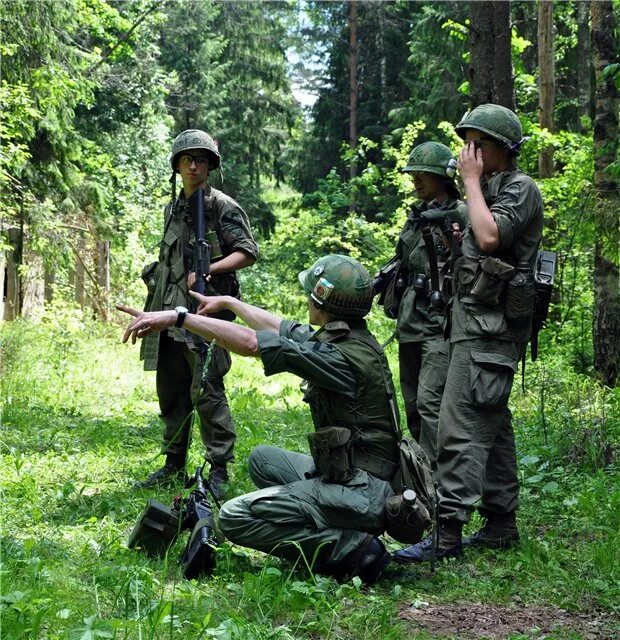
{"points": [[423, 351], [173, 353], [490, 324], [330, 505]]}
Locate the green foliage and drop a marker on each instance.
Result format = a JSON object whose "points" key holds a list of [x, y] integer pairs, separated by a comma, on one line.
{"points": [[72, 444]]}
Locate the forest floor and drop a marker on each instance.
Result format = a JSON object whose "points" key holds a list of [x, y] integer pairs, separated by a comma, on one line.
{"points": [[80, 425]]}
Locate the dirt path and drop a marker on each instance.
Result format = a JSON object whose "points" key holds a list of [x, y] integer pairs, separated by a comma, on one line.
{"points": [[473, 620]]}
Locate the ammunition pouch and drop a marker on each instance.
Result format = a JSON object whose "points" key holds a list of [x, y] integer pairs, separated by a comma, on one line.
{"points": [[391, 284], [406, 523], [490, 280], [331, 452], [156, 530]]}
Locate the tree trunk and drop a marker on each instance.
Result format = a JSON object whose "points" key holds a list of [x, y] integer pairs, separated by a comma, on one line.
{"points": [[353, 82], [482, 46], [79, 274], [2, 279], [546, 82], [103, 277], [12, 307], [606, 329], [503, 72], [32, 284], [584, 67], [48, 287]]}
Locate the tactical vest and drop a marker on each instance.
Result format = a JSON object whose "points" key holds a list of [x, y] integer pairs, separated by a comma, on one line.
{"points": [[372, 416], [488, 284]]}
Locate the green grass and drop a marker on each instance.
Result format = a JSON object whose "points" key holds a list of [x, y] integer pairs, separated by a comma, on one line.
{"points": [[79, 424]]}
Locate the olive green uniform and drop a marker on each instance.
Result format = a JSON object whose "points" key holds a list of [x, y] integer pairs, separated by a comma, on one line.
{"points": [[476, 450], [174, 354], [423, 351], [347, 384]]}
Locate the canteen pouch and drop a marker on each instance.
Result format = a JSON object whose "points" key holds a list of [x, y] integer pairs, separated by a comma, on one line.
{"points": [[520, 299], [331, 452], [405, 523], [491, 279], [156, 530]]}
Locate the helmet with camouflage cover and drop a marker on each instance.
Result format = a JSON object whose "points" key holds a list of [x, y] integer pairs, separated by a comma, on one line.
{"points": [[493, 119], [339, 285], [194, 139], [432, 157]]}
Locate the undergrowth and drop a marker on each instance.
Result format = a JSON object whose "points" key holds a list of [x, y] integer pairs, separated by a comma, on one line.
{"points": [[79, 425]]}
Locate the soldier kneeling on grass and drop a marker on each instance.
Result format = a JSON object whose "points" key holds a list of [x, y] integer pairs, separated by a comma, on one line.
{"points": [[329, 506]]}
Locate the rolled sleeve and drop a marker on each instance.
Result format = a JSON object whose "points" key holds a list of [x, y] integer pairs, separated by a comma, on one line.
{"points": [[319, 363], [514, 209], [235, 231]]}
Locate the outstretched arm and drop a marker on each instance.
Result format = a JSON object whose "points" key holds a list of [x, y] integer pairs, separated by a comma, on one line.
{"points": [[255, 318], [231, 336]]}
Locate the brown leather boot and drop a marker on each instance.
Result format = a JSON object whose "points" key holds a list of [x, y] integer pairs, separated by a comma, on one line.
{"points": [[498, 532]]}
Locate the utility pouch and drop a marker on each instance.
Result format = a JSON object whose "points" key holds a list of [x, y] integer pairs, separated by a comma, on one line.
{"points": [[148, 277], [491, 279], [406, 523], [520, 299], [390, 284], [331, 452], [156, 530]]}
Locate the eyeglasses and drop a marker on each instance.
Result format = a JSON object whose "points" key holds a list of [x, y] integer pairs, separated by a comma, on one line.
{"points": [[187, 158]]}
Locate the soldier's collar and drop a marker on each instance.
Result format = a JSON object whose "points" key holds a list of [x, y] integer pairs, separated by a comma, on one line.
{"points": [[336, 325]]}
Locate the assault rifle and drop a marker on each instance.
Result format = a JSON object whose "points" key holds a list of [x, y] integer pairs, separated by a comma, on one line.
{"points": [[201, 266], [160, 525]]}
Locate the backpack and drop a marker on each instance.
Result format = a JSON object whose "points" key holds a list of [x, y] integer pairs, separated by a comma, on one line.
{"points": [[407, 521]]}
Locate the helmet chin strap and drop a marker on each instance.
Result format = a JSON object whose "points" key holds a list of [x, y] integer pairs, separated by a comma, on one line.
{"points": [[173, 183]]}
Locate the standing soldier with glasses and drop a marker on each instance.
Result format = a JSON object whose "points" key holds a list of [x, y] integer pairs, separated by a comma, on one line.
{"points": [[174, 354], [490, 324]]}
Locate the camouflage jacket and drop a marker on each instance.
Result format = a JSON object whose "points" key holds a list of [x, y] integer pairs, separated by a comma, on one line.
{"points": [[228, 230]]}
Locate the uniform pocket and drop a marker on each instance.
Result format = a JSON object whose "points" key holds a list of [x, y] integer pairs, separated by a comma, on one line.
{"points": [[220, 362], [491, 379], [484, 321]]}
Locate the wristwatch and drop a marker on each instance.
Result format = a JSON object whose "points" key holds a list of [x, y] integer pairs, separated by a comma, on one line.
{"points": [[181, 314]]}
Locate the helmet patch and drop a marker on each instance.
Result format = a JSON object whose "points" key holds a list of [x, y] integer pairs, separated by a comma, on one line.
{"points": [[323, 288]]}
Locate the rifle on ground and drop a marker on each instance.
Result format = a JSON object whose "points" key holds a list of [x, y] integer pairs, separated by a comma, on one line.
{"points": [[160, 525]]}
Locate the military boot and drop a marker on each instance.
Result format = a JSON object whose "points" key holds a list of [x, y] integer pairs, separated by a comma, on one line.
{"points": [[498, 532], [367, 562], [449, 545], [218, 479], [172, 471]]}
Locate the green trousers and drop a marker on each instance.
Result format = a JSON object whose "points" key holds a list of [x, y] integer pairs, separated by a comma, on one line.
{"points": [[476, 461], [423, 369], [178, 384], [295, 511]]}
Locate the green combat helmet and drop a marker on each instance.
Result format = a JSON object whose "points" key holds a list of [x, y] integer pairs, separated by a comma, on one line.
{"points": [[497, 121], [339, 285], [432, 157], [194, 139]]}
